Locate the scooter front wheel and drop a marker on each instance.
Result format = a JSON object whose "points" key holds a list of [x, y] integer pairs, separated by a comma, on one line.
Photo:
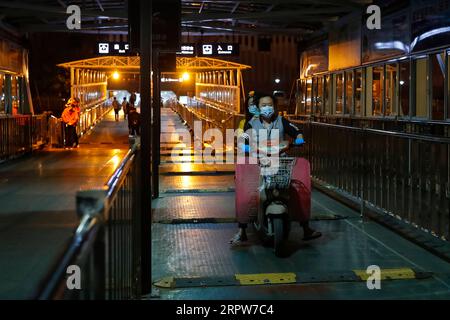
{"points": [[278, 235]]}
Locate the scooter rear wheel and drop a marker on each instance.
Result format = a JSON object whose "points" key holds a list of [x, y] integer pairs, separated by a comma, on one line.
{"points": [[278, 235]]}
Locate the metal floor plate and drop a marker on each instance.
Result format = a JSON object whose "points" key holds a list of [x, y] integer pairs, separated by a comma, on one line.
{"points": [[202, 250], [189, 251], [38, 209], [211, 183], [221, 206], [194, 207], [180, 169]]}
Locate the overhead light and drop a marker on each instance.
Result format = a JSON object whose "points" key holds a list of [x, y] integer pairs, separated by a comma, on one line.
{"points": [[116, 75], [186, 76], [277, 80]]}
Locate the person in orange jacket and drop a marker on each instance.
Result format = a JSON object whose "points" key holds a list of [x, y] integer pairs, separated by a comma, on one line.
{"points": [[70, 117]]}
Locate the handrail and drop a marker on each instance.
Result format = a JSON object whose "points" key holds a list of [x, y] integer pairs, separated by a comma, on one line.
{"points": [[337, 126], [94, 208], [199, 115], [118, 176], [381, 132], [409, 136], [53, 285], [215, 106]]}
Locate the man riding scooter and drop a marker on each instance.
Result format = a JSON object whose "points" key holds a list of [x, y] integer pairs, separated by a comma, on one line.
{"points": [[247, 175]]}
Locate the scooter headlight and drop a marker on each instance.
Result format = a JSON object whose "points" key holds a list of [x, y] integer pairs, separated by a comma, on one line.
{"points": [[265, 162], [276, 193]]}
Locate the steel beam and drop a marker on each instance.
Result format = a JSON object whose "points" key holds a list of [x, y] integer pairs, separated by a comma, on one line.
{"points": [[100, 5], [146, 138], [156, 152], [235, 7], [37, 8], [286, 31], [294, 15], [341, 3]]}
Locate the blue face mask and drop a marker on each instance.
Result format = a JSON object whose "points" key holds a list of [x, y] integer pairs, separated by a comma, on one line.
{"points": [[267, 111], [253, 109]]}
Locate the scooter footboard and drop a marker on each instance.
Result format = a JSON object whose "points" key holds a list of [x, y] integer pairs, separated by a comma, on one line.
{"points": [[247, 194], [300, 191]]}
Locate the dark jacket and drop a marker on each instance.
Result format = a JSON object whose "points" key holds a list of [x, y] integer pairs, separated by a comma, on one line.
{"points": [[288, 127], [134, 119]]}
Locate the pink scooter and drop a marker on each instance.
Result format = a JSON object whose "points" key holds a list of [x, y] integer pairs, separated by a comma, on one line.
{"points": [[279, 196]]}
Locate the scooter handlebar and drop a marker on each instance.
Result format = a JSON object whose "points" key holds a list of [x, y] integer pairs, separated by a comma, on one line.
{"points": [[281, 148]]}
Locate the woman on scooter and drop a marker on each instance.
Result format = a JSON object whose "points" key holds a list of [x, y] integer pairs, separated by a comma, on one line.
{"points": [[270, 120]]}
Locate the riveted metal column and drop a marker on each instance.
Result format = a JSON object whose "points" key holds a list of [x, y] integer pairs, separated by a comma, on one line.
{"points": [[146, 138], [156, 151]]}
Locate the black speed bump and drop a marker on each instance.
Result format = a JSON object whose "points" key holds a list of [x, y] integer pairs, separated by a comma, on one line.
{"points": [[196, 220], [289, 278], [233, 220]]}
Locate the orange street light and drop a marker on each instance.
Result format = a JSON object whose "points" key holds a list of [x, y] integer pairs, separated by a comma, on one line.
{"points": [[116, 75], [186, 76]]}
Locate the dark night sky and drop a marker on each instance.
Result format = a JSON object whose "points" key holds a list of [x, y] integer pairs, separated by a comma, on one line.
{"points": [[46, 51]]}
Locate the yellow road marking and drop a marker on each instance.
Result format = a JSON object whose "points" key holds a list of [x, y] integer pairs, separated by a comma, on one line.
{"points": [[392, 274], [168, 282], [266, 278]]}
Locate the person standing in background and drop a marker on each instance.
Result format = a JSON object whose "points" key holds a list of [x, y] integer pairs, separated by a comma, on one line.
{"points": [[70, 117], [125, 107], [77, 107], [134, 121], [116, 106]]}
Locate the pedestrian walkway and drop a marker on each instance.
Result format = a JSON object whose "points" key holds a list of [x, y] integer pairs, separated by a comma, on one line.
{"points": [[194, 219], [181, 170], [37, 197]]}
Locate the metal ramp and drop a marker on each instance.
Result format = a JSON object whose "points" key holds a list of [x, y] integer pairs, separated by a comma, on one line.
{"points": [[193, 221]]}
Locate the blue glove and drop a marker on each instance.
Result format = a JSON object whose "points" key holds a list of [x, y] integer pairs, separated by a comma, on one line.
{"points": [[299, 141], [246, 148]]}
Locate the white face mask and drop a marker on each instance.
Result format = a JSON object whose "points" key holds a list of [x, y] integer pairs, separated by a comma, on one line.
{"points": [[267, 111]]}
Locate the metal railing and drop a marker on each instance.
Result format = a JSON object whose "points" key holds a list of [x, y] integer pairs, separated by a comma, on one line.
{"points": [[401, 174], [22, 134], [89, 117], [106, 245], [40, 130], [210, 116]]}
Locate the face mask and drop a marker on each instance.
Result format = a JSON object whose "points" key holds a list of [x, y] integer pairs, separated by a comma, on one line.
{"points": [[267, 111], [253, 109]]}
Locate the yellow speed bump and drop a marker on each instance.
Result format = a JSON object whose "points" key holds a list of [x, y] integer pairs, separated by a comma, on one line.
{"points": [[168, 282], [389, 274], [289, 278], [266, 278]]}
